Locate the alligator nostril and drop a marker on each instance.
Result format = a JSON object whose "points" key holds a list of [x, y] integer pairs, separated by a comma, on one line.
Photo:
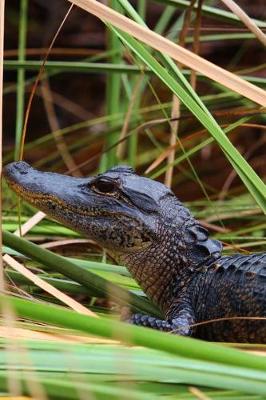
{"points": [[14, 168], [22, 167]]}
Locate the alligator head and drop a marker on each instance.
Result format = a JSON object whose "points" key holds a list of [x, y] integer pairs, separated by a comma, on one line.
{"points": [[116, 209], [138, 220]]}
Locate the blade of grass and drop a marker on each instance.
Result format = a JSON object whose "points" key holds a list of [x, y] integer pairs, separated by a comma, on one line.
{"points": [[35, 84], [73, 66], [113, 93], [79, 66], [30, 223], [142, 8], [21, 75], [164, 19], [132, 107]]}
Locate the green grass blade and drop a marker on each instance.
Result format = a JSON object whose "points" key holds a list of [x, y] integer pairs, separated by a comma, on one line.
{"points": [[113, 93], [21, 75]]}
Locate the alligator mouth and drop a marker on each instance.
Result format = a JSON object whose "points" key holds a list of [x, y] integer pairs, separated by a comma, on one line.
{"points": [[30, 184], [43, 202]]}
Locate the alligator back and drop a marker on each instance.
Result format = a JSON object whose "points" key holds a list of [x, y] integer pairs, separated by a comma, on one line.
{"points": [[234, 288]]}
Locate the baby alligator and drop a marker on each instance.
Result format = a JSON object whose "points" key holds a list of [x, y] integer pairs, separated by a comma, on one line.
{"points": [[143, 226]]}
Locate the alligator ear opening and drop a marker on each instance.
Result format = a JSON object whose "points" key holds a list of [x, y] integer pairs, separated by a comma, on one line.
{"points": [[205, 252], [141, 200]]}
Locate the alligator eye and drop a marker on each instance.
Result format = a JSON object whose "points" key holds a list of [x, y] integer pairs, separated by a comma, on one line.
{"points": [[104, 186]]}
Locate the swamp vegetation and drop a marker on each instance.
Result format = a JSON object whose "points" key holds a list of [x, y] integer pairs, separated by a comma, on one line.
{"points": [[109, 93]]}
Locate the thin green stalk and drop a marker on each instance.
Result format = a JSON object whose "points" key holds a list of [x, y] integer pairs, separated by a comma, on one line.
{"points": [[73, 66], [164, 19], [113, 93], [21, 75], [133, 139], [55, 67], [194, 150], [142, 8]]}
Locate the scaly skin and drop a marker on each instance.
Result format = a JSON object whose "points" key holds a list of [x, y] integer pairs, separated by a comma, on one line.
{"points": [[142, 225]]}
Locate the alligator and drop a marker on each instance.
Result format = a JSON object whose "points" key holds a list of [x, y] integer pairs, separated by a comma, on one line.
{"points": [[142, 224]]}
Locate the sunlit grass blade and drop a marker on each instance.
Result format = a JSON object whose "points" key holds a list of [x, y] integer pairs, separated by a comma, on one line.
{"points": [[113, 93], [21, 75]]}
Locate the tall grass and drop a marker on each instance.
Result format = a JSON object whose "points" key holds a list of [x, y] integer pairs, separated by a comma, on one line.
{"points": [[21, 75]]}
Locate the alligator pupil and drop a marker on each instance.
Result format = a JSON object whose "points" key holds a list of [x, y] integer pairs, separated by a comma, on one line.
{"points": [[104, 186]]}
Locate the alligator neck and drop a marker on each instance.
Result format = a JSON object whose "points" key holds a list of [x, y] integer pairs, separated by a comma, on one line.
{"points": [[184, 249], [155, 270]]}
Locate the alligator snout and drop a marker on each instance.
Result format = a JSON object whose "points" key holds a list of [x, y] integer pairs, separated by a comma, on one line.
{"points": [[20, 175], [30, 183]]}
